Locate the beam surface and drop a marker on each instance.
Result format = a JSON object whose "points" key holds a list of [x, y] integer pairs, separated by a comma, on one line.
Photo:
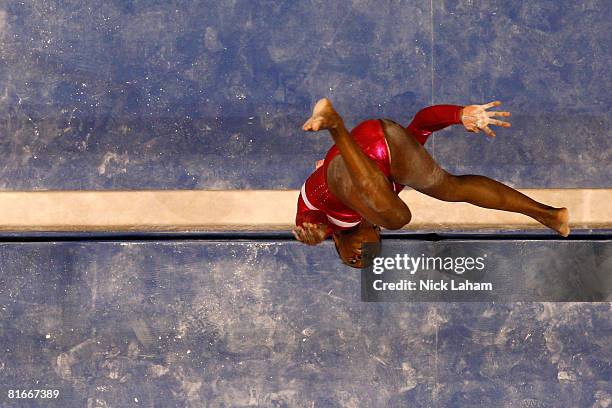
{"points": [[231, 210]]}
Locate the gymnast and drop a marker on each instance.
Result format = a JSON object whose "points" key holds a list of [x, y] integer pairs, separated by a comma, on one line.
{"points": [[354, 190]]}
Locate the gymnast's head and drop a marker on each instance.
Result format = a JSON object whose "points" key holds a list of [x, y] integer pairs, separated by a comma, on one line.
{"points": [[349, 244]]}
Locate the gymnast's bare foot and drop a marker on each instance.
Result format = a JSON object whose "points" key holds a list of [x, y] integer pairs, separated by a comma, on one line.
{"points": [[558, 221], [324, 116]]}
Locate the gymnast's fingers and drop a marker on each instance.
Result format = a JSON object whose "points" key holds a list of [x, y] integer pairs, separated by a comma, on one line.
{"points": [[488, 131], [319, 234], [491, 104], [308, 226], [499, 123], [304, 234], [297, 234], [308, 234], [314, 230], [498, 113]]}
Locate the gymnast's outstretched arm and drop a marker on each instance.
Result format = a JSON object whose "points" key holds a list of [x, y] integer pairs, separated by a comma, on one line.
{"points": [[433, 118], [473, 118]]}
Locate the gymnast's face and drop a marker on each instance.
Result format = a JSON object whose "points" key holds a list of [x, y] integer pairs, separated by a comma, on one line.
{"points": [[348, 243]]}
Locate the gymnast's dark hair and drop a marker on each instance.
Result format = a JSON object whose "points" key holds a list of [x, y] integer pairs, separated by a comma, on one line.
{"points": [[365, 261]]}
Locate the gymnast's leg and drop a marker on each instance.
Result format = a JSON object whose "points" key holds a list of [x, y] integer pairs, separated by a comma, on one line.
{"points": [[412, 165], [353, 177], [485, 192]]}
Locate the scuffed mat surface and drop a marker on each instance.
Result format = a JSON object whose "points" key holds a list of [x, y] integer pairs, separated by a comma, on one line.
{"points": [[274, 324]]}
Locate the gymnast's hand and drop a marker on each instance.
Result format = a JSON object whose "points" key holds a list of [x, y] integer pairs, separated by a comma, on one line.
{"points": [[476, 118], [311, 234]]}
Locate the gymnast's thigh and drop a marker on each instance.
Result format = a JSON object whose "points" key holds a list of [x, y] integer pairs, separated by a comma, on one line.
{"points": [[411, 163], [341, 185]]}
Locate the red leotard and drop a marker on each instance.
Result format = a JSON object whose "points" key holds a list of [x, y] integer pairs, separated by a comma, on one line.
{"points": [[316, 204]]}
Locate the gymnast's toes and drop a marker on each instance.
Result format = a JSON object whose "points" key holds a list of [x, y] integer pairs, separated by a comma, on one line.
{"points": [[563, 219]]}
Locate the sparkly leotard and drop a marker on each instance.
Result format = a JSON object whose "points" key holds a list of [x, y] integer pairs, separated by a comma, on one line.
{"points": [[316, 204]]}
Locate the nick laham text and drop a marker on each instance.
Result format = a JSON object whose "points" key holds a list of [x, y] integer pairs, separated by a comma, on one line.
{"points": [[433, 285]]}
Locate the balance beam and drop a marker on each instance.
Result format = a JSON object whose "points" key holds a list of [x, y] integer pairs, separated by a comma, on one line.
{"points": [[261, 210]]}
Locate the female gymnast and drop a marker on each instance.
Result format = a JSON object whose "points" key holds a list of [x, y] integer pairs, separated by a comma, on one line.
{"points": [[353, 191]]}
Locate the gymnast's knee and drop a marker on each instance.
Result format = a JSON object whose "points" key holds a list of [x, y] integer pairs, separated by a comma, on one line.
{"points": [[397, 221]]}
